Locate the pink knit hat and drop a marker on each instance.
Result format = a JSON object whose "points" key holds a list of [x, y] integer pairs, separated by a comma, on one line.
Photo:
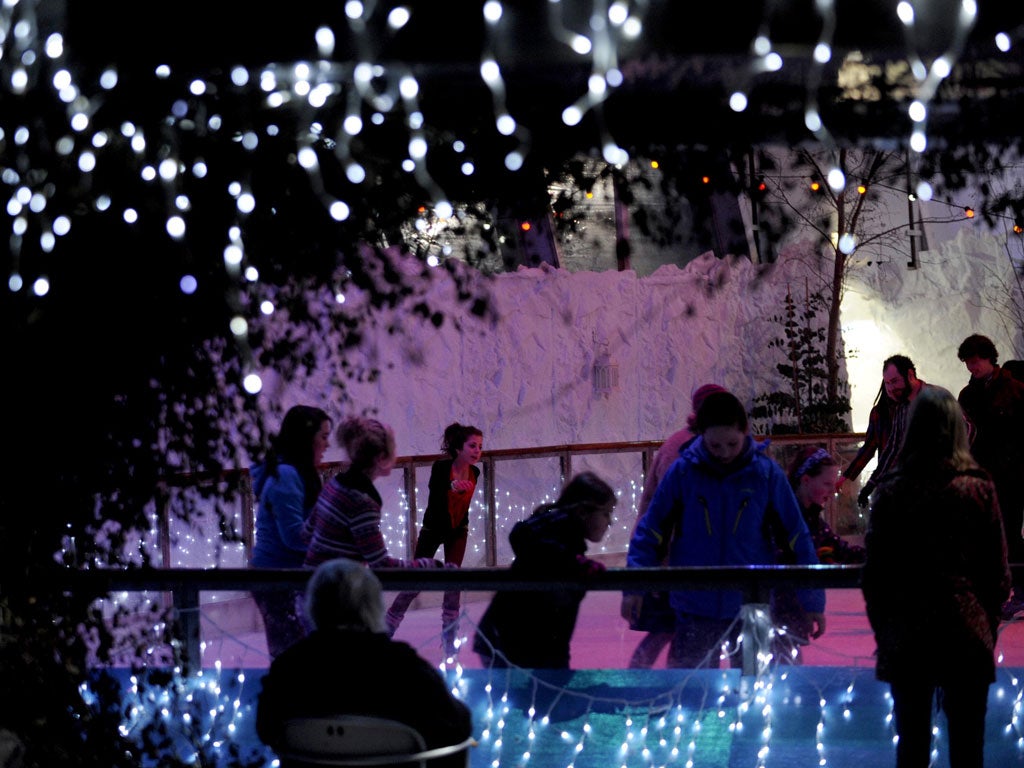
{"points": [[701, 393]]}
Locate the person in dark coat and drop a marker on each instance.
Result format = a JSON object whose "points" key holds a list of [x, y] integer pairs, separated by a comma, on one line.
{"points": [[446, 521], [994, 401], [533, 629], [1015, 368], [934, 581], [349, 666], [886, 423]]}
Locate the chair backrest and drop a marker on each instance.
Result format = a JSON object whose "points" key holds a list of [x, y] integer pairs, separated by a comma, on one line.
{"points": [[355, 740]]}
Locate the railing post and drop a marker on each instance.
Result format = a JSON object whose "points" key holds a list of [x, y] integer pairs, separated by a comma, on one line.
{"points": [[163, 529], [186, 609], [163, 523], [646, 459], [248, 512], [409, 475], [755, 638], [491, 496]]}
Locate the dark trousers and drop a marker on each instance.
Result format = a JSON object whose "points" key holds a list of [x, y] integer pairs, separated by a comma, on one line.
{"points": [[1011, 504], [647, 650], [964, 703], [427, 545], [698, 642], [282, 618]]}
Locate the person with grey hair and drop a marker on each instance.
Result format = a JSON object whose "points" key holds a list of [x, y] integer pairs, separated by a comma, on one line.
{"points": [[348, 665], [344, 594]]}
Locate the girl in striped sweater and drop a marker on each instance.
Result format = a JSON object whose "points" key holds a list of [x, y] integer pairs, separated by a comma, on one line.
{"points": [[346, 519]]}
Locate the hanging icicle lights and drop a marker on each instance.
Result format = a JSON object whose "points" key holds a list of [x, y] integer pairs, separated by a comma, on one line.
{"points": [[693, 718], [362, 94]]}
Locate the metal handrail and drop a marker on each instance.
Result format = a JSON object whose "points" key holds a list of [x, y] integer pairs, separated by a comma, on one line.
{"points": [[750, 577], [185, 584]]}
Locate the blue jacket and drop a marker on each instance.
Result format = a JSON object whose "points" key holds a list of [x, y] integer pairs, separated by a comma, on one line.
{"points": [[280, 516], [722, 515]]}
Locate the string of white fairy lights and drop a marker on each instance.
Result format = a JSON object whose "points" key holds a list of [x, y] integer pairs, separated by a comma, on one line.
{"points": [[520, 715], [369, 92], [33, 58]]}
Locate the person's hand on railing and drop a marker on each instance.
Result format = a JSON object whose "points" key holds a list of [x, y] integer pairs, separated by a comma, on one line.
{"points": [[427, 562], [818, 622], [590, 567]]}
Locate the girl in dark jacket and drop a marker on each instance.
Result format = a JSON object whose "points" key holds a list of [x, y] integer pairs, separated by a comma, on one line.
{"points": [[446, 521], [533, 629], [934, 581]]}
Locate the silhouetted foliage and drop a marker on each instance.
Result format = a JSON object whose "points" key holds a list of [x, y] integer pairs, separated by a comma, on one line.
{"points": [[117, 379], [804, 406]]}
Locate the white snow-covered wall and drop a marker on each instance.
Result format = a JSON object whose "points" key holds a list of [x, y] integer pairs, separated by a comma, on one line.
{"points": [[964, 284], [527, 379]]}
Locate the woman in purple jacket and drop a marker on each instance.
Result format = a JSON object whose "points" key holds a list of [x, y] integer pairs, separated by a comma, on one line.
{"points": [[345, 521]]}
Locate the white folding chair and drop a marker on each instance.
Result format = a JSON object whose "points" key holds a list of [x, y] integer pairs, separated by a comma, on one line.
{"points": [[355, 740]]}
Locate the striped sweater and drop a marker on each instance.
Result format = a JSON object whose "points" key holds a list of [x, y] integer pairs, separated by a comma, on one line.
{"points": [[346, 523]]}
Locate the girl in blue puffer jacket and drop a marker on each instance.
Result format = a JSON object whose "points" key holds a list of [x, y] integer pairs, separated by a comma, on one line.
{"points": [[722, 499]]}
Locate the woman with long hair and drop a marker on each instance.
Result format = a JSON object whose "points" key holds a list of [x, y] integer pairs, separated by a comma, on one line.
{"points": [[934, 582], [453, 481], [286, 484]]}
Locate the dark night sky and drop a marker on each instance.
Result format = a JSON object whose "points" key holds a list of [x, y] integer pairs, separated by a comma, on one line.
{"points": [[684, 64]]}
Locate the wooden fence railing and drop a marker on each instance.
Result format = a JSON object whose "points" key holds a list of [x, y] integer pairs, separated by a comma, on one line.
{"points": [[182, 586], [497, 464], [185, 584]]}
